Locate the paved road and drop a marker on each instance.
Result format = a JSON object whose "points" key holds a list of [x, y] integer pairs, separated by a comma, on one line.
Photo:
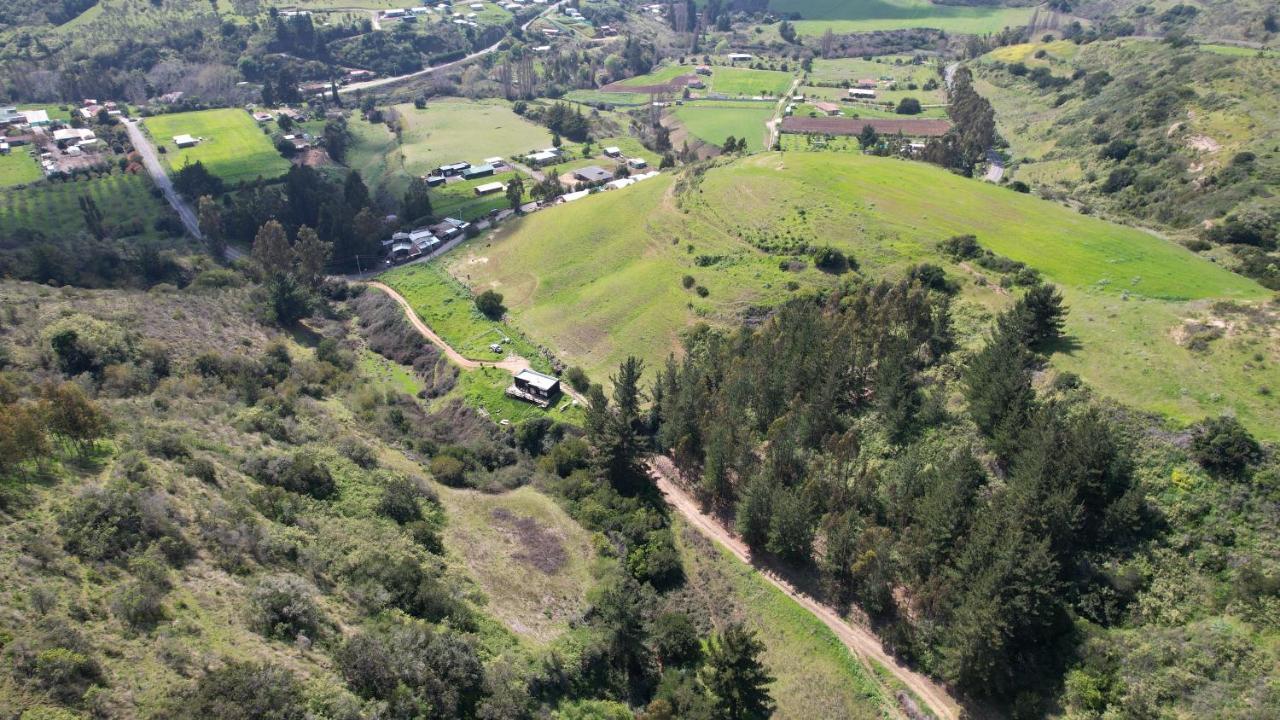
{"points": [[151, 161], [380, 82], [860, 641]]}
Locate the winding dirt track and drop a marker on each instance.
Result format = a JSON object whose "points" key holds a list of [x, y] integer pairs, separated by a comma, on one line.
{"points": [[512, 363], [859, 640]]}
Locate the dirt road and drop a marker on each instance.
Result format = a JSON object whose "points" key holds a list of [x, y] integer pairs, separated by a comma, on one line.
{"points": [[512, 363], [859, 640]]}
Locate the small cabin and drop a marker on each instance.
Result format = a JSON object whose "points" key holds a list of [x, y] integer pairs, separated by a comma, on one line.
{"points": [[535, 387]]}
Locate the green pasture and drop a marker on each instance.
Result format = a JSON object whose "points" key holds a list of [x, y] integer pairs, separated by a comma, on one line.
{"points": [[19, 168], [233, 148], [53, 208], [449, 310], [459, 199], [596, 97], [714, 124], [849, 16], [738, 81], [600, 279], [457, 130], [1237, 51], [660, 75]]}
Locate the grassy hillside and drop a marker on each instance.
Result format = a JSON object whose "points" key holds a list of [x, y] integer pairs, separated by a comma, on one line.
{"points": [[713, 124], [232, 146], [601, 278]]}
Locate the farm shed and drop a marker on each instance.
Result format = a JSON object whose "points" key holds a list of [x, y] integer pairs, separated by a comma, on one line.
{"points": [[613, 152], [489, 188], [452, 169], [862, 94], [185, 141], [477, 171], [740, 57], [827, 108]]}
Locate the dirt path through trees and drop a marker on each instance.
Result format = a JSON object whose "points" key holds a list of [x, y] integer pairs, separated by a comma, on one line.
{"points": [[859, 640]]}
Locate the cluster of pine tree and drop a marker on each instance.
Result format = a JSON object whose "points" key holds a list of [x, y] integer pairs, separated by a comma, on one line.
{"points": [[972, 532], [973, 132]]}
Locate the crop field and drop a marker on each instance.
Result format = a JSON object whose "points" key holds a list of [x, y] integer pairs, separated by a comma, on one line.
{"points": [[448, 309], [54, 208], [712, 124], [19, 168], [614, 261], [233, 147], [848, 16], [457, 130]]}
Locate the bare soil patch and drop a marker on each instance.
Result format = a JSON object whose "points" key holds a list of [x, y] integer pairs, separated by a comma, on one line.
{"points": [[539, 547]]}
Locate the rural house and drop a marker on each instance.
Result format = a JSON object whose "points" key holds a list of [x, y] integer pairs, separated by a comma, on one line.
{"points": [[592, 174], [452, 169], [532, 386], [827, 108]]}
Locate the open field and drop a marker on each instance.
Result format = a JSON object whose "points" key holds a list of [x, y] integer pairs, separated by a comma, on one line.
{"points": [[1237, 51], [459, 199], [614, 261], [815, 676], [448, 309], [456, 130], [233, 146], [596, 97], [19, 168], [738, 81], [54, 208], [847, 16], [714, 124]]}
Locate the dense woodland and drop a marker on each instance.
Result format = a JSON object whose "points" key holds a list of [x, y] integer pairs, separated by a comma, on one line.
{"points": [[997, 530]]}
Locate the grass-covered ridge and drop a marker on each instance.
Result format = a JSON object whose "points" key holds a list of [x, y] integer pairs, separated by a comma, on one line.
{"points": [[602, 278]]}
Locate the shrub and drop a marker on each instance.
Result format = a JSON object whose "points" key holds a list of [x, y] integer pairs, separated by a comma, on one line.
{"points": [[909, 106], [448, 470], [83, 344], [66, 673], [831, 260], [203, 470], [490, 304], [244, 691], [108, 523], [961, 247], [357, 452], [702, 291], [399, 500], [281, 607], [300, 473], [409, 666], [577, 379], [1223, 446], [687, 281]]}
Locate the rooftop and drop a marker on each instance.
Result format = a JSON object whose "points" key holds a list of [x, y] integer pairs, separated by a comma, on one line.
{"points": [[536, 379]]}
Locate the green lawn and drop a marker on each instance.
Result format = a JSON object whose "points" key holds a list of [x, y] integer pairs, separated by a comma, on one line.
{"points": [[600, 279], [665, 73], [712, 124], [448, 309], [19, 168], [459, 199], [234, 148], [848, 16], [54, 208]]}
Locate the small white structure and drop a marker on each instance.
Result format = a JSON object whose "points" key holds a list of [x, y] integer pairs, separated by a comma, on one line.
{"points": [[637, 163], [740, 57], [862, 93], [489, 188], [613, 152], [185, 141]]}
